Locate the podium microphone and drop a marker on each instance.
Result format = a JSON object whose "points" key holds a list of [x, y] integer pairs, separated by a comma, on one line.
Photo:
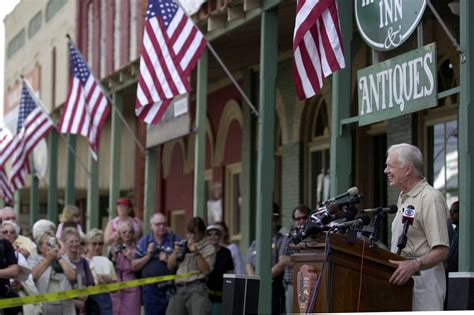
{"points": [[407, 220], [364, 220], [353, 191], [389, 209]]}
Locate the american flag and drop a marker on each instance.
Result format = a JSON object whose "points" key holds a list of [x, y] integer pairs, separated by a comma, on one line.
{"points": [[172, 45], [86, 107], [317, 45], [5, 146], [33, 125]]}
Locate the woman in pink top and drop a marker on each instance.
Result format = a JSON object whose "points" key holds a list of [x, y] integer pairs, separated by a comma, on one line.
{"points": [[125, 301], [124, 214]]}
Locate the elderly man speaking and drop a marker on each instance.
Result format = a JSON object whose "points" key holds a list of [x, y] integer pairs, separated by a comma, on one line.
{"points": [[428, 242]]}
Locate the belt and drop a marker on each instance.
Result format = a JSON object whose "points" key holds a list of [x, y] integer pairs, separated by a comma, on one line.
{"points": [[185, 284]]}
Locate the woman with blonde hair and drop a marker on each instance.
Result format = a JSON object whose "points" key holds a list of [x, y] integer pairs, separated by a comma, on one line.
{"points": [[125, 301], [70, 217], [104, 272]]}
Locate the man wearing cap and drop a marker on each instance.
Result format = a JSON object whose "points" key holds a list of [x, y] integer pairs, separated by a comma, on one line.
{"points": [[124, 213], [151, 258], [223, 264], [278, 289], [196, 257]]}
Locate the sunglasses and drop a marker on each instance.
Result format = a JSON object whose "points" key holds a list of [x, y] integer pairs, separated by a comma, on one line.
{"points": [[97, 243], [213, 234], [5, 232], [300, 218]]}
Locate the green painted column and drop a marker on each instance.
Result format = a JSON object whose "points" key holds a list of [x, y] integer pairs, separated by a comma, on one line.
{"points": [[69, 195], [249, 158], [151, 159], [266, 152], [53, 176], [34, 198], [466, 140], [200, 137], [115, 153], [17, 203], [341, 142], [93, 211]]}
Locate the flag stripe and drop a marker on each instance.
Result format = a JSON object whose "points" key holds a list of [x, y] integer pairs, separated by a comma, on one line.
{"points": [[33, 125], [172, 44], [317, 45], [87, 106]]}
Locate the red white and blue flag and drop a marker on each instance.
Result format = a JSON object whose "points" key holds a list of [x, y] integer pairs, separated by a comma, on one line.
{"points": [[317, 45], [5, 146], [33, 125], [172, 45], [86, 107]]}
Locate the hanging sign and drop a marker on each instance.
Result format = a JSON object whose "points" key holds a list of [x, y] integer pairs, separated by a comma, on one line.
{"points": [[398, 86], [386, 24]]}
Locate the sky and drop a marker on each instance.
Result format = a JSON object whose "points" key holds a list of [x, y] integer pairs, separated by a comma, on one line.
{"points": [[6, 6]]}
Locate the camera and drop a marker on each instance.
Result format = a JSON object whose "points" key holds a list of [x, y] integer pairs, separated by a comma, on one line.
{"points": [[120, 247], [52, 243], [184, 250]]}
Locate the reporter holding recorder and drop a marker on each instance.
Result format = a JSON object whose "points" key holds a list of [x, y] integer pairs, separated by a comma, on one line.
{"points": [[196, 256], [428, 242]]}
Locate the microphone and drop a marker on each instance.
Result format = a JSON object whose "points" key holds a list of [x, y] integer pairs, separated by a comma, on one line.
{"points": [[389, 209], [364, 220], [300, 233], [350, 192], [407, 220]]}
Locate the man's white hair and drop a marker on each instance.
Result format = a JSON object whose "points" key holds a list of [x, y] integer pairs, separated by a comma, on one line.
{"points": [[409, 154]]}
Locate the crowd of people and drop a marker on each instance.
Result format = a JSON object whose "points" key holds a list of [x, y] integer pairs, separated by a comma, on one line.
{"points": [[62, 257]]}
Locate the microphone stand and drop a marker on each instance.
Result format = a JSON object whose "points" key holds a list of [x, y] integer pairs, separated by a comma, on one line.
{"points": [[377, 218], [402, 240]]}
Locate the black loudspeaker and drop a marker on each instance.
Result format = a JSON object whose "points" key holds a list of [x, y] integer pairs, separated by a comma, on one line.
{"points": [[461, 291], [240, 294]]}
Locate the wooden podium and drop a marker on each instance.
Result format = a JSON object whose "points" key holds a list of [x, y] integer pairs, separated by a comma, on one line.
{"points": [[343, 288]]}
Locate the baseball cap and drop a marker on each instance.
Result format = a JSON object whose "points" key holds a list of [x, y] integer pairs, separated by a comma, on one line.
{"points": [[124, 202], [214, 227]]}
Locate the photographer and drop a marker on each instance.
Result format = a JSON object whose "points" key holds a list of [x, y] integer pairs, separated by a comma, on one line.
{"points": [[8, 269], [150, 260], [52, 273], [196, 257]]}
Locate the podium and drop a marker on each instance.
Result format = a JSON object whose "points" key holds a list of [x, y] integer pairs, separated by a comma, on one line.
{"points": [[343, 287]]}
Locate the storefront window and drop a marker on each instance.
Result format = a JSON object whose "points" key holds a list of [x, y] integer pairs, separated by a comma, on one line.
{"points": [[444, 156], [318, 182], [233, 200]]}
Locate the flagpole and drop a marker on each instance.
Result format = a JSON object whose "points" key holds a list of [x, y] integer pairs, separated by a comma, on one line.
{"points": [[40, 103], [113, 106], [226, 70]]}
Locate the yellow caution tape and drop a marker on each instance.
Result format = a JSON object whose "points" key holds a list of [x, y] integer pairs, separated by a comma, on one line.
{"points": [[101, 288]]}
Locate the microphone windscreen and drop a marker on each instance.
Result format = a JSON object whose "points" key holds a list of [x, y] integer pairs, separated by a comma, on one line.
{"points": [[353, 191], [365, 219], [393, 209]]}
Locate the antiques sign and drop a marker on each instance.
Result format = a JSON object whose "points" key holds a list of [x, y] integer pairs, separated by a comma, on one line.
{"points": [[386, 24], [398, 86]]}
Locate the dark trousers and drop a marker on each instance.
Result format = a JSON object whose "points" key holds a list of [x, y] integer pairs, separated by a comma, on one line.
{"points": [[155, 300]]}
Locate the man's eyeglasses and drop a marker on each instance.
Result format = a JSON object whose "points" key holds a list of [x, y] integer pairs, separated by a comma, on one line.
{"points": [[5, 232]]}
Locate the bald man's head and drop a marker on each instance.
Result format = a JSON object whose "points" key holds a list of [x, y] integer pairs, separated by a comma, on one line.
{"points": [[8, 214], [159, 225]]}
